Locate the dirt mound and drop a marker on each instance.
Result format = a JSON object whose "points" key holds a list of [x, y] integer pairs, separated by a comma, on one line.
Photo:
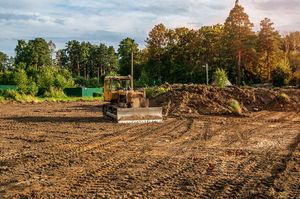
{"points": [[195, 100]]}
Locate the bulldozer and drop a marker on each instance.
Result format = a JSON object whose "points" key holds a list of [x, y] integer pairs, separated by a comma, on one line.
{"points": [[125, 104]]}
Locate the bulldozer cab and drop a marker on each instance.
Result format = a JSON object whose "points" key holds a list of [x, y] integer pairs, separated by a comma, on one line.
{"points": [[112, 86]]}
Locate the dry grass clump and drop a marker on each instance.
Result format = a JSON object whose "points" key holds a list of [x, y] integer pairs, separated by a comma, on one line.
{"points": [[235, 107]]}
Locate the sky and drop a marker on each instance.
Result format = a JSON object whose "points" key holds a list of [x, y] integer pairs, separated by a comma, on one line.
{"points": [[110, 21]]}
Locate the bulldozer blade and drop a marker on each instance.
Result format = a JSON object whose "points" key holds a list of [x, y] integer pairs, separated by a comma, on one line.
{"points": [[139, 115]]}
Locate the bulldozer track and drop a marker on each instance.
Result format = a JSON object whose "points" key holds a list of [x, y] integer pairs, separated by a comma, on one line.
{"points": [[188, 157]]}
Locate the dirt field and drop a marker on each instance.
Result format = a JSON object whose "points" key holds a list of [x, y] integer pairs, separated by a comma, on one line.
{"points": [[67, 150]]}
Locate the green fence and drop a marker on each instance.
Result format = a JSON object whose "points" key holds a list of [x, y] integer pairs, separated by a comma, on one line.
{"points": [[83, 92], [8, 87]]}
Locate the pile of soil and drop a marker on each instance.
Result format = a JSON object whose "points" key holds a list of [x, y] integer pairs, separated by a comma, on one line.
{"points": [[193, 100]]}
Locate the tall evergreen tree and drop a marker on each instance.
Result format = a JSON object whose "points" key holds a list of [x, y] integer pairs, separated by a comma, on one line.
{"points": [[73, 51], [268, 48], [62, 58], [156, 43], [22, 54], [292, 49], [127, 46], [35, 53], [84, 58], [238, 35], [3, 61]]}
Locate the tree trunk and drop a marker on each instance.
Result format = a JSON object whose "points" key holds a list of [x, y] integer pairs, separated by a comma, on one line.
{"points": [[78, 70], [239, 68], [84, 71], [269, 68], [98, 74]]}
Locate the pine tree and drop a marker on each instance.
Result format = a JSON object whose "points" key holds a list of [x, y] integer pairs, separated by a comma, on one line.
{"points": [[156, 43], [126, 47], [237, 34], [268, 48]]}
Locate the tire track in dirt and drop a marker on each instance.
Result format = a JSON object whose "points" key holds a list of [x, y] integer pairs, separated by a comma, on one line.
{"points": [[262, 166], [125, 162], [182, 158], [247, 171], [114, 161], [280, 166], [248, 179], [237, 183], [54, 161]]}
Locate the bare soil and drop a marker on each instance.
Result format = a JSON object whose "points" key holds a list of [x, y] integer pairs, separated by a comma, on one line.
{"points": [[68, 150], [194, 100]]}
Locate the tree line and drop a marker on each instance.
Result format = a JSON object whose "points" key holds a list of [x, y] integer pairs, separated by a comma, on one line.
{"points": [[177, 55]]}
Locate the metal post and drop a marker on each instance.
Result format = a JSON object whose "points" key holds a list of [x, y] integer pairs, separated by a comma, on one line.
{"points": [[206, 67], [132, 70]]}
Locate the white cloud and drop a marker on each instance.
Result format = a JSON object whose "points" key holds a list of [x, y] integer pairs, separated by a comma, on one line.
{"points": [[111, 20]]}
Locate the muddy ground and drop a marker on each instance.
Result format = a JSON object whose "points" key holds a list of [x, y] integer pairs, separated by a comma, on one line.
{"points": [[67, 150]]}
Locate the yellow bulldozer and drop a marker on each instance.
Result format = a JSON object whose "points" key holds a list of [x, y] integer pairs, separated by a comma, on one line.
{"points": [[126, 104]]}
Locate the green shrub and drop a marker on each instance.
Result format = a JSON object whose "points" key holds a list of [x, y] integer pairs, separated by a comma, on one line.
{"points": [[32, 88], [284, 98], [60, 81], [54, 78], [55, 93], [234, 107], [89, 83], [2, 99], [11, 94], [155, 91], [296, 77], [221, 77], [281, 76], [113, 73], [93, 83], [21, 80], [46, 79], [18, 97], [68, 81], [7, 78], [144, 78]]}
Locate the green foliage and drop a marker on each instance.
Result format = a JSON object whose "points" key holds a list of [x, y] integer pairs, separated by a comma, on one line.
{"points": [[87, 60], [144, 79], [10, 94], [284, 98], [268, 49], [20, 77], [280, 76], [34, 53], [3, 60], [2, 99], [46, 79], [127, 46], [89, 83], [113, 73], [62, 81], [238, 38], [54, 93], [221, 77], [53, 77], [18, 97], [7, 78], [32, 88], [296, 77], [171, 55], [235, 107], [155, 91]]}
